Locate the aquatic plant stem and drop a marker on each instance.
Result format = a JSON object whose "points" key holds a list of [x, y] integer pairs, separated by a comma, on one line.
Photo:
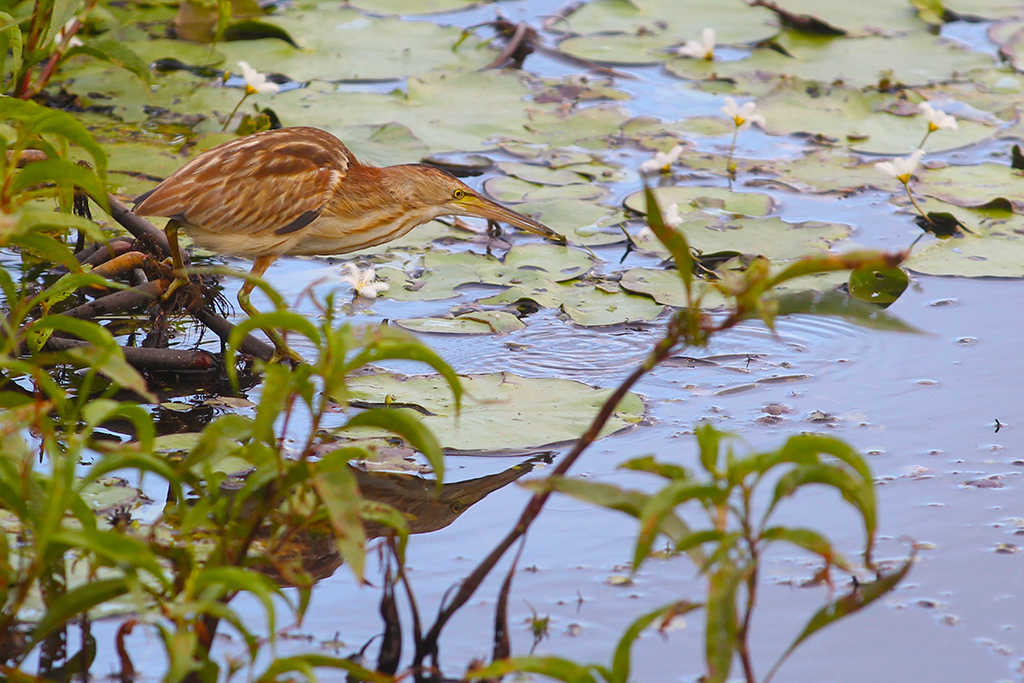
{"points": [[730, 165], [913, 201], [235, 110]]}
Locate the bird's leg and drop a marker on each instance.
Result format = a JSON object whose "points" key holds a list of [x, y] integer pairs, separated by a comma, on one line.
{"points": [[180, 277], [281, 349]]}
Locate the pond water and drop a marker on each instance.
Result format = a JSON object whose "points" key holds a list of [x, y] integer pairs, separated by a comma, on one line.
{"points": [[924, 408]]}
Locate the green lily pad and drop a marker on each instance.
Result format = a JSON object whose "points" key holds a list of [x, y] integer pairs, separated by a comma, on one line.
{"points": [[993, 185], [477, 322], [541, 175], [621, 48], [411, 6], [385, 144], [828, 170], [352, 46], [583, 302], [444, 272], [582, 222], [664, 286], [107, 494], [513, 190], [850, 116], [770, 236], [500, 411], [857, 62], [733, 23], [993, 248], [689, 199], [575, 126]]}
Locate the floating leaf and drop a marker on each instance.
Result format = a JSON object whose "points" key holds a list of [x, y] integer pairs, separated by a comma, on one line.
{"points": [[500, 411]]}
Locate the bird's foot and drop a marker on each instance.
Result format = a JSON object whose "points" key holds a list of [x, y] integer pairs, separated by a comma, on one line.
{"points": [[284, 354], [177, 283]]}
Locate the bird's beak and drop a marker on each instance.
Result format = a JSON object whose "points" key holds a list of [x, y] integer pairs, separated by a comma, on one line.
{"points": [[475, 205]]}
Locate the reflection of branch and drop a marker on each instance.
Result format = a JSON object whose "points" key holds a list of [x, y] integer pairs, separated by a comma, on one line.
{"points": [[428, 647]]}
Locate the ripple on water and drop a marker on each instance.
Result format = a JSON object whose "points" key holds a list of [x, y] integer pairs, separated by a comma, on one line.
{"points": [[552, 347]]}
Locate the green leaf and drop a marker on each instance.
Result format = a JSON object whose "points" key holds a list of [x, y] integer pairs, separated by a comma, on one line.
{"points": [[306, 663], [860, 494], [386, 344], [115, 53], [75, 602], [409, 428], [114, 548], [10, 41], [879, 286], [552, 667], [720, 635], [616, 498], [664, 501], [674, 240], [862, 595], [621, 658], [808, 539], [337, 488]]}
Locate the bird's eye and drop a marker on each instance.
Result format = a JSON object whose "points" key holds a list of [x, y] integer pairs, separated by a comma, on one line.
{"points": [[458, 193]]}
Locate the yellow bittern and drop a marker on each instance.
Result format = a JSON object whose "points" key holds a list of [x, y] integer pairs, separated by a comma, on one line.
{"points": [[301, 191]]}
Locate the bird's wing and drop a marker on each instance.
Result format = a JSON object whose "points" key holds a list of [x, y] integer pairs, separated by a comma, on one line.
{"points": [[272, 182]]}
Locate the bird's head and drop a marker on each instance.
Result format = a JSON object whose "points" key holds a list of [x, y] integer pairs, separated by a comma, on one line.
{"points": [[435, 190]]}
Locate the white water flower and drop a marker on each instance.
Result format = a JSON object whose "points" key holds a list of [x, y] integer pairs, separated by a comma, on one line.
{"points": [[700, 49], [255, 82], [662, 161], [671, 217], [937, 119], [365, 282], [743, 115], [901, 168]]}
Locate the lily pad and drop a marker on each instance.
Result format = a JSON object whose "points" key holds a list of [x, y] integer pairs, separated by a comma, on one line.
{"points": [[500, 411], [584, 303], [541, 175], [993, 248], [852, 117], [689, 199], [444, 272], [771, 236], [410, 6], [733, 22], [477, 322], [994, 185], [857, 62], [513, 190], [352, 46]]}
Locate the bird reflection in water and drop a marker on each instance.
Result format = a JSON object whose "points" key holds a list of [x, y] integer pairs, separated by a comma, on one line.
{"points": [[417, 498]]}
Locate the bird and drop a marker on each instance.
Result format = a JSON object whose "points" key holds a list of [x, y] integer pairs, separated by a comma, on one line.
{"points": [[300, 191]]}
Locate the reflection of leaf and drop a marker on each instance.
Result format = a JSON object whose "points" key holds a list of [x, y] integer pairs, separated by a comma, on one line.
{"points": [[839, 305]]}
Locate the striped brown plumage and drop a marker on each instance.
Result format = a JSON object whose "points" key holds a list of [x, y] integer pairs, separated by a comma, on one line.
{"points": [[302, 191]]}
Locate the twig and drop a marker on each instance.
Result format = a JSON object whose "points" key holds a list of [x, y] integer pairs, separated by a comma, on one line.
{"points": [[149, 359], [428, 647], [124, 300], [137, 225], [221, 327]]}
